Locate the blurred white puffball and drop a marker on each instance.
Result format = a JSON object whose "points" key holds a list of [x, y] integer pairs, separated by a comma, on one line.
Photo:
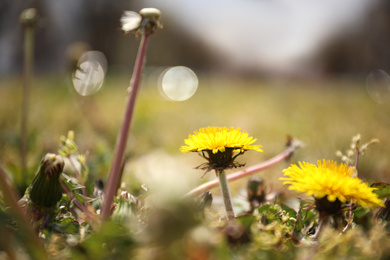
{"points": [[90, 73], [378, 86], [178, 83]]}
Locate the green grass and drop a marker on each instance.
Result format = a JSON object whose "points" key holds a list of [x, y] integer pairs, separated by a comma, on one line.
{"points": [[323, 114]]}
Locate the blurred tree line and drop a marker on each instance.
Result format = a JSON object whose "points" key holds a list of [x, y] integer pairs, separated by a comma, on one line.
{"points": [[69, 27], [361, 50]]}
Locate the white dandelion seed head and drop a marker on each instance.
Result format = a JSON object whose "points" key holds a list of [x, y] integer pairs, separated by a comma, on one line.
{"points": [[150, 13], [130, 21]]}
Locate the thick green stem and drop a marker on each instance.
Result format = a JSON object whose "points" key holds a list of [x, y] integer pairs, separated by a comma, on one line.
{"points": [[223, 183], [27, 75], [115, 173], [323, 220]]}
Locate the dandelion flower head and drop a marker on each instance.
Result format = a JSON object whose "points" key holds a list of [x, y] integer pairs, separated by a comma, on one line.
{"points": [[146, 21], [220, 144], [217, 139], [331, 180]]}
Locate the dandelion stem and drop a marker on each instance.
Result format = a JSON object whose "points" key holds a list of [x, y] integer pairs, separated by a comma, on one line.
{"points": [[249, 171], [115, 173], [27, 75], [357, 157], [223, 183], [323, 220]]}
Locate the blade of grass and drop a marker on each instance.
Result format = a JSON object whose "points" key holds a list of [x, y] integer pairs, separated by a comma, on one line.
{"points": [[32, 243]]}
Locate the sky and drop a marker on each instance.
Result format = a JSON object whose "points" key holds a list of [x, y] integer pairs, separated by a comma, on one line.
{"points": [[280, 35]]}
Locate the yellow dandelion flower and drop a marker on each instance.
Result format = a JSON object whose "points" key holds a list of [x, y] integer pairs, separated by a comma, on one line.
{"points": [[218, 139], [331, 180], [220, 144]]}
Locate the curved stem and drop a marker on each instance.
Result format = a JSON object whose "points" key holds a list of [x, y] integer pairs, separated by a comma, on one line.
{"points": [[115, 173], [249, 171]]}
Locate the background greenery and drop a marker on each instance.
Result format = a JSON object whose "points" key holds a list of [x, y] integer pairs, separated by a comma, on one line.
{"points": [[323, 114]]}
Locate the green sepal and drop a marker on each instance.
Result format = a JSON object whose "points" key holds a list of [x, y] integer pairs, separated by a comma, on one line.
{"points": [[45, 190]]}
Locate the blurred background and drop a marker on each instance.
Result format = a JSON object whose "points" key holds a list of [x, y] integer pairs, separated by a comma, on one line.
{"points": [[260, 38], [316, 70]]}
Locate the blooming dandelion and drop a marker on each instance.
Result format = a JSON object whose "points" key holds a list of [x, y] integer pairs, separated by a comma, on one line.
{"points": [[331, 185], [220, 146]]}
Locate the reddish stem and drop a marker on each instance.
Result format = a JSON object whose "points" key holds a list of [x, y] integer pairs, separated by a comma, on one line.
{"points": [[249, 171], [77, 203], [115, 173], [78, 176]]}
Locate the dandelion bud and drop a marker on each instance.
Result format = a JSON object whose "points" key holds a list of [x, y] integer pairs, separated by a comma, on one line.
{"points": [[45, 190], [204, 201], [29, 17], [128, 206], [256, 191]]}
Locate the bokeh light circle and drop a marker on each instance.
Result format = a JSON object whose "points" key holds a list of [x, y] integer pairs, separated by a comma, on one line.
{"points": [[378, 86], [89, 76], [178, 83]]}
